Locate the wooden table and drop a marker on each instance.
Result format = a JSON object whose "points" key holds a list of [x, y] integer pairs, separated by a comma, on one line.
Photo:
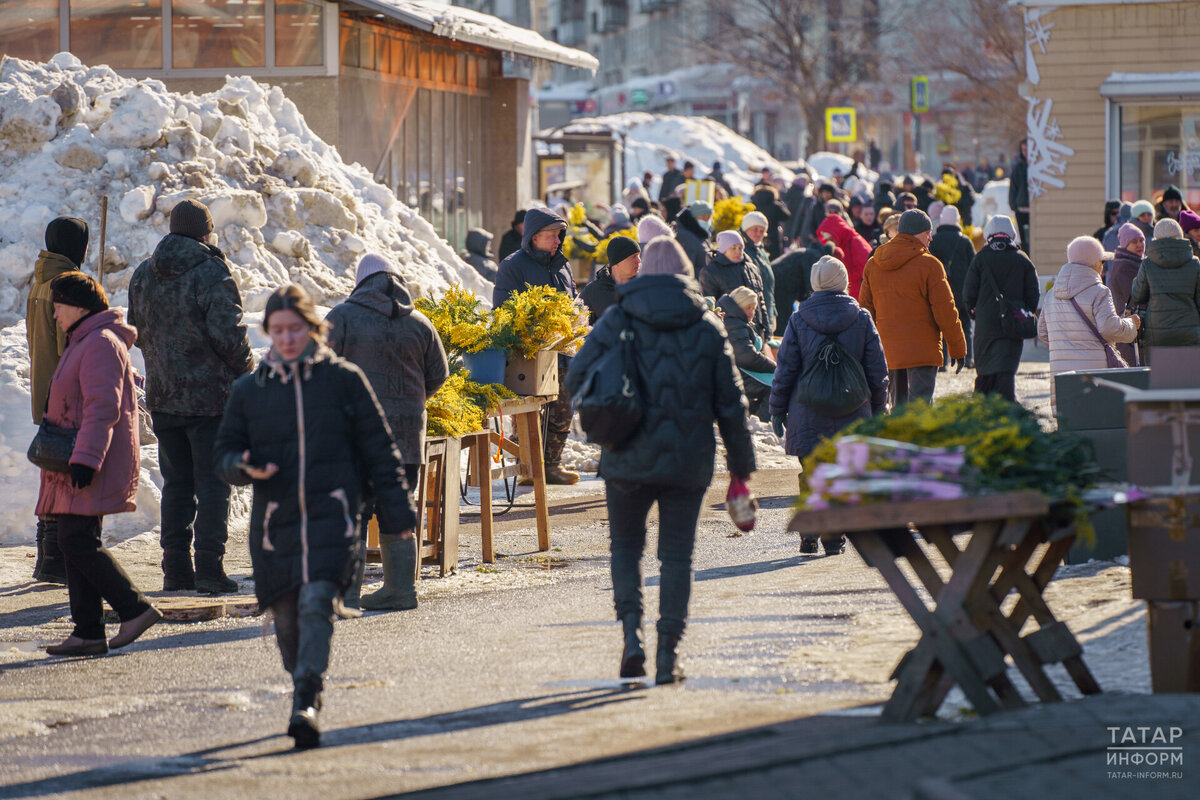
{"points": [[966, 636], [527, 449]]}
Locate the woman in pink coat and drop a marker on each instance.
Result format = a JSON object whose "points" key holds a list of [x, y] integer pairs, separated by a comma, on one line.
{"points": [[92, 393], [836, 230]]}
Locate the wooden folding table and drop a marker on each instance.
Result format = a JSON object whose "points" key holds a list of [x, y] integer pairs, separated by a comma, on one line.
{"points": [[967, 634]]}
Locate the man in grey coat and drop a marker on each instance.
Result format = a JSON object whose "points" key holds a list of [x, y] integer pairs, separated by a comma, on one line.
{"points": [[402, 356]]}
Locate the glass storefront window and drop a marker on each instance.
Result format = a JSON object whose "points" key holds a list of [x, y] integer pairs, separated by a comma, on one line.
{"points": [[119, 33], [298, 33], [29, 30], [1160, 146], [218, 33]]}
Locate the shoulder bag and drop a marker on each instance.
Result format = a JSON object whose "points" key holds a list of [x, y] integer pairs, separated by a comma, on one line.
{"points": [[1015, 321], [52, 446], [1112, 359]]}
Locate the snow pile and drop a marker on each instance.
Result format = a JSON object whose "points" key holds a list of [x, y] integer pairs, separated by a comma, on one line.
{"points": [[285, 205], [650, 138], [825, 164]]}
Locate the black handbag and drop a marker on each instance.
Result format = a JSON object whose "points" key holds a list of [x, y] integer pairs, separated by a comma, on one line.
{"points": [[1015, 321], [52, 446], [610, 402]]}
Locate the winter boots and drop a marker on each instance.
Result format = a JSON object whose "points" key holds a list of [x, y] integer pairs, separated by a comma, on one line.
{"points": [[178, 575], [210, 574], [834, 546], [50, 566], [306, 702], [666, 666], [399, 576], [809, 545], [633, 658], [557, 476]]}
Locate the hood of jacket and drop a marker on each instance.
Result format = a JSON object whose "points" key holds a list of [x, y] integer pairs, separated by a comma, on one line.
{"points": [[1169, 253], [829, 312], [666, 302], [685, 220], [895, 253], [50, 265], [478, 242], [838, 229], [384, 293], [112, 319], [1122, 257], [535, 220], [272, 366], [1073, 279], [722, 260], [176, 255], [732, 309]]}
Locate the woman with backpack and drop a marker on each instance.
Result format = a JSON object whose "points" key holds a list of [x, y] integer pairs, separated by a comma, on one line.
{"points": [[999, 272], [830, 341], [688, 380]]}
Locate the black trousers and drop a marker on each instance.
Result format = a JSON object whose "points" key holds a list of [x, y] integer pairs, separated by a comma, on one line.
{"points": [[193, 497], [92, 575], [1001, 383], [1023, 228], [678, 511]]}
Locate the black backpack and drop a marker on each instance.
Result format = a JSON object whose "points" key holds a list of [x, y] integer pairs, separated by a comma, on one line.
{"points": [[833, 383], [609, 403]]}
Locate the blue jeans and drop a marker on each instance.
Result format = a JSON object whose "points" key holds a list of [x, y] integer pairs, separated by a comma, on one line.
{"points": [[304, 629], [678, 511]]}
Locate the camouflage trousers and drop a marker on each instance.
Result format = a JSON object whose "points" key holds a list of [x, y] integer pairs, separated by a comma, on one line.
{"points": [[558, 424]]}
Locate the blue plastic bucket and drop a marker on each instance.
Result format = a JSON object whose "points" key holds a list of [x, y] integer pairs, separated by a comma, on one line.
{"points": [[486, 366]]}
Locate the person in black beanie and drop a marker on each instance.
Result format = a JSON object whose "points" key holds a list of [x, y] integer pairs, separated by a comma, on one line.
{"points": [[624, 259], [66, 245], [188, 312], [510, 242]]}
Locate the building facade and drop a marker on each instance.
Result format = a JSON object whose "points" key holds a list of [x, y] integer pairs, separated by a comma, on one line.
{"points": [[1114, 112], [441, 116]]}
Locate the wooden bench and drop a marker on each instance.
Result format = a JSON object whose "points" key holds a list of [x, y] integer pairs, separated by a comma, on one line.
{"points": [[966, 635]]}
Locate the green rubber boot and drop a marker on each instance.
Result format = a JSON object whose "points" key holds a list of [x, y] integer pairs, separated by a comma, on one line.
{"points": [[399, 592]]}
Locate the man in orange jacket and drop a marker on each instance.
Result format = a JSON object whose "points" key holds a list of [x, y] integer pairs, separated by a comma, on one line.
{"points": [[904, 288]]}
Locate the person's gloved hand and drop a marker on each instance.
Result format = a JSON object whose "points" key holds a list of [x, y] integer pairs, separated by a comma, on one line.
{"points": [[959, 363], [81, 476], [778, 422]]}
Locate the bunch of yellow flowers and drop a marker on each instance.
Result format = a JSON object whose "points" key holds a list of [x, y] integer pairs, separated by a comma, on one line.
{"points": [[727, 214]]}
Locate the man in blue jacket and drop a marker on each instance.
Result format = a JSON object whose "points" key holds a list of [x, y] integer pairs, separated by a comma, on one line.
{"points": [[540, 262]]}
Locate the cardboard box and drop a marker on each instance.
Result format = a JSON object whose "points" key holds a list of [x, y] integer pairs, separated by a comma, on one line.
{"points": [[1164, 548], [1174, 634], [537, 376]]}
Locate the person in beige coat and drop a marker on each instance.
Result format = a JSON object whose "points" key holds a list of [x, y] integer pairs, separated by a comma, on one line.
{"points": [[1073, 344]]}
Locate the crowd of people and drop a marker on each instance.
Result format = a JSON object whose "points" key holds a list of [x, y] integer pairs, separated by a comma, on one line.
{"points": [[826, 283]]}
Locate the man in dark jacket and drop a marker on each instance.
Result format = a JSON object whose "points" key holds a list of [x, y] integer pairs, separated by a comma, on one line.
{"points": [[478, 253], [766, 201], [717, 176], [1000, 267], [510, 242], [624, 257], [671, 180], [540, 262], [692, 232], [952, 247], [808, 233], [188, 312], [402, 356], [66, 245], [798, 199], [1018, 193], [792, 281], [1171, 204]]}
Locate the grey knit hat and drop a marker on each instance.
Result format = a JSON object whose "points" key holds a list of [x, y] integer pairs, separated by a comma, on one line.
{"points": [[914, 221], [662, 255], [191, 218]]}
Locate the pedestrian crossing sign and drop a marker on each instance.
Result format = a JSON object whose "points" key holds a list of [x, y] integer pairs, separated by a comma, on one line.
{"points": [[841, 125]]}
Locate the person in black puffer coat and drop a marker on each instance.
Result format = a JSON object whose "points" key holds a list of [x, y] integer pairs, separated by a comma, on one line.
{"points": [[748, 347], [997, 356], [689, 381], [766, 201], [693, 236], [829, 312], [729, 269], [952, 247], [306, 429], [378, 330], [792, 271]]}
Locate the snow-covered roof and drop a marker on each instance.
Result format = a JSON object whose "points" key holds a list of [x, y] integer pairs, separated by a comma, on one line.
{"points": [[474, 27]]}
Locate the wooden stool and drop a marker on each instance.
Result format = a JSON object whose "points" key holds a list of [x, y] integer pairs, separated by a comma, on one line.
{"points": [[437, 508]]}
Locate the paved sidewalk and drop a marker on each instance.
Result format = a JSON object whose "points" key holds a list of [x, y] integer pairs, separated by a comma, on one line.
{"points": [[1052, 751]]}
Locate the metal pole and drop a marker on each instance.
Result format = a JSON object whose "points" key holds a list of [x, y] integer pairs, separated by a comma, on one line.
{"points": [[103, 231]]}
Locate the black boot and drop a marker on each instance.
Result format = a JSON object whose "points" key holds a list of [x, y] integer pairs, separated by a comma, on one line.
{"points": [[633, 659], [666, 668], [50, 567], [210, 574], [834, 546], [306, 702], [178, 575], [808, 545]]}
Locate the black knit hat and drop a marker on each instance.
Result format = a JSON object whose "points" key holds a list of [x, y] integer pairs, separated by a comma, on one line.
{"points": [[68, 236], [621, 248], [518, 217], [191, 218], [1172, 193], [79, 290]]}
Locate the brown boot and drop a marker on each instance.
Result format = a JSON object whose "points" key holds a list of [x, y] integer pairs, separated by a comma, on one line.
{"points": [[131, 629], [557, 476]]}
